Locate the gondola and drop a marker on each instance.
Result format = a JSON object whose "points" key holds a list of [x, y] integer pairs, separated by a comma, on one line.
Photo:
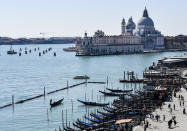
{"points": [[132, 81], [68, 129], [84, 124], [79, 126], [53, 104], [97, 116], [103, 113], [111, 93], [118, 90], [108, 110], [92, 119], [92, 103]]}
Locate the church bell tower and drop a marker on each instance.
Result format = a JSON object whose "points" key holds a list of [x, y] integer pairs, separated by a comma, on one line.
{"points": [[123, 26]]}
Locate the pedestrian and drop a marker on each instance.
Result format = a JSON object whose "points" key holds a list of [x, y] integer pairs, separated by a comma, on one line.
{"points": [[164, 117], [131, 128], [126, 127], [145, 127], [156, 117], [169, 106], [171, 110], [174, 106], [175, 122], [180, 103], [169, 123], [183, 102], [147, 123], [179, 96], [184, 111]]}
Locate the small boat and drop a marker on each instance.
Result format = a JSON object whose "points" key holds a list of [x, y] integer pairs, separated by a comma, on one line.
{"points": [[111, 93], [78, 126], [53, 104], [103, 113], [70, 49], [67, 128], [85, 124], [11, 51], [92, 119], [118, 90], [92, 103], [81, 77], [132, 81], [97, 116]]}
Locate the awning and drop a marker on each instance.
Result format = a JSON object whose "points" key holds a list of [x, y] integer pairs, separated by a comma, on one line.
{"points": [[123, 121]]}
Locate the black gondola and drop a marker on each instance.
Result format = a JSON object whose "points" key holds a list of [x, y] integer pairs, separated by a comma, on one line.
{"points": [[53, 104], [118, 90], [94, 120], [111, 93], [97, 116], [108, 110], [78, 126], [92, 103], [85, 125], [68, 129], [103, 113]]}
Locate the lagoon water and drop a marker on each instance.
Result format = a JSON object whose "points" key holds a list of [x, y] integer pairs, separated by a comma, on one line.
{"points": [[25, 76]]}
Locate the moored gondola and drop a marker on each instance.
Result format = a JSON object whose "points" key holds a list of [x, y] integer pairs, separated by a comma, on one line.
{"points": [[132, 81], [94, 120], [97, 116], [68, 129], [111, 93], [118, 90], [92, 103], [103, 113], [85, 125]]}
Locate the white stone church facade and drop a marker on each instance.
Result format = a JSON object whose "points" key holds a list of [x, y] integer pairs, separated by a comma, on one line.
{"points": [[133, 39]]}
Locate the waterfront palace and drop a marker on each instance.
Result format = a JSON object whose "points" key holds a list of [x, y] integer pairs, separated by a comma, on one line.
{"points": [[133, 39]]}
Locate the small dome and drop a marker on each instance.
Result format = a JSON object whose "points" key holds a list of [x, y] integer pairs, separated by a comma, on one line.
{"points": [[131, 24], [145, 21]]}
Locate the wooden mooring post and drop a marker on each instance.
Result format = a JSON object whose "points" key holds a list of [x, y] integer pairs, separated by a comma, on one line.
{"points": [[124, 75], [47, 115], [62, 119], [13, 102], [44, 91], [107, 81], [72, 104]]}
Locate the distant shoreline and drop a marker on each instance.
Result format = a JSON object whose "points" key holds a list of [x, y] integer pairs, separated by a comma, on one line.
{"points": [[38, 44]]}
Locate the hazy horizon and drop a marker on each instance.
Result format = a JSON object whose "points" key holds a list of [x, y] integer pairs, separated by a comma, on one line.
{"points": [[72, 18]]}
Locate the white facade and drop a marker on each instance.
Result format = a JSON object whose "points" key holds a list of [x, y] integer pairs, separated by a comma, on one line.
{"points": [[133, 39], [100, 44]]}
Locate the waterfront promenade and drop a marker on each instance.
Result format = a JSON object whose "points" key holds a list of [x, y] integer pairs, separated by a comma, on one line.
{"points": [[162, 125]]}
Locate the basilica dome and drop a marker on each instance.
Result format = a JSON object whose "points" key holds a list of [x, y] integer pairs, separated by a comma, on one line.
{"points": [[145, 20]]}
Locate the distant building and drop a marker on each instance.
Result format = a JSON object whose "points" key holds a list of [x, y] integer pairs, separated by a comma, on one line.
{"points": [[133, 39], [100, 44], [176, 42]]}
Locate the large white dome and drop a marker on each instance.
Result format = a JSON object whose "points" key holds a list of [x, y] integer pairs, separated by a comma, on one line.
{"points": [[145, 20]]}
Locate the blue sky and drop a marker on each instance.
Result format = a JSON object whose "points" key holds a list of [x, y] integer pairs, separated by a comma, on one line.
{"points": [[27, 18]]}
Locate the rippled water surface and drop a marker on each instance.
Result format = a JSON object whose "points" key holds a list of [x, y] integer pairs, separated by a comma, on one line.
{"points": [[25, 76]]}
